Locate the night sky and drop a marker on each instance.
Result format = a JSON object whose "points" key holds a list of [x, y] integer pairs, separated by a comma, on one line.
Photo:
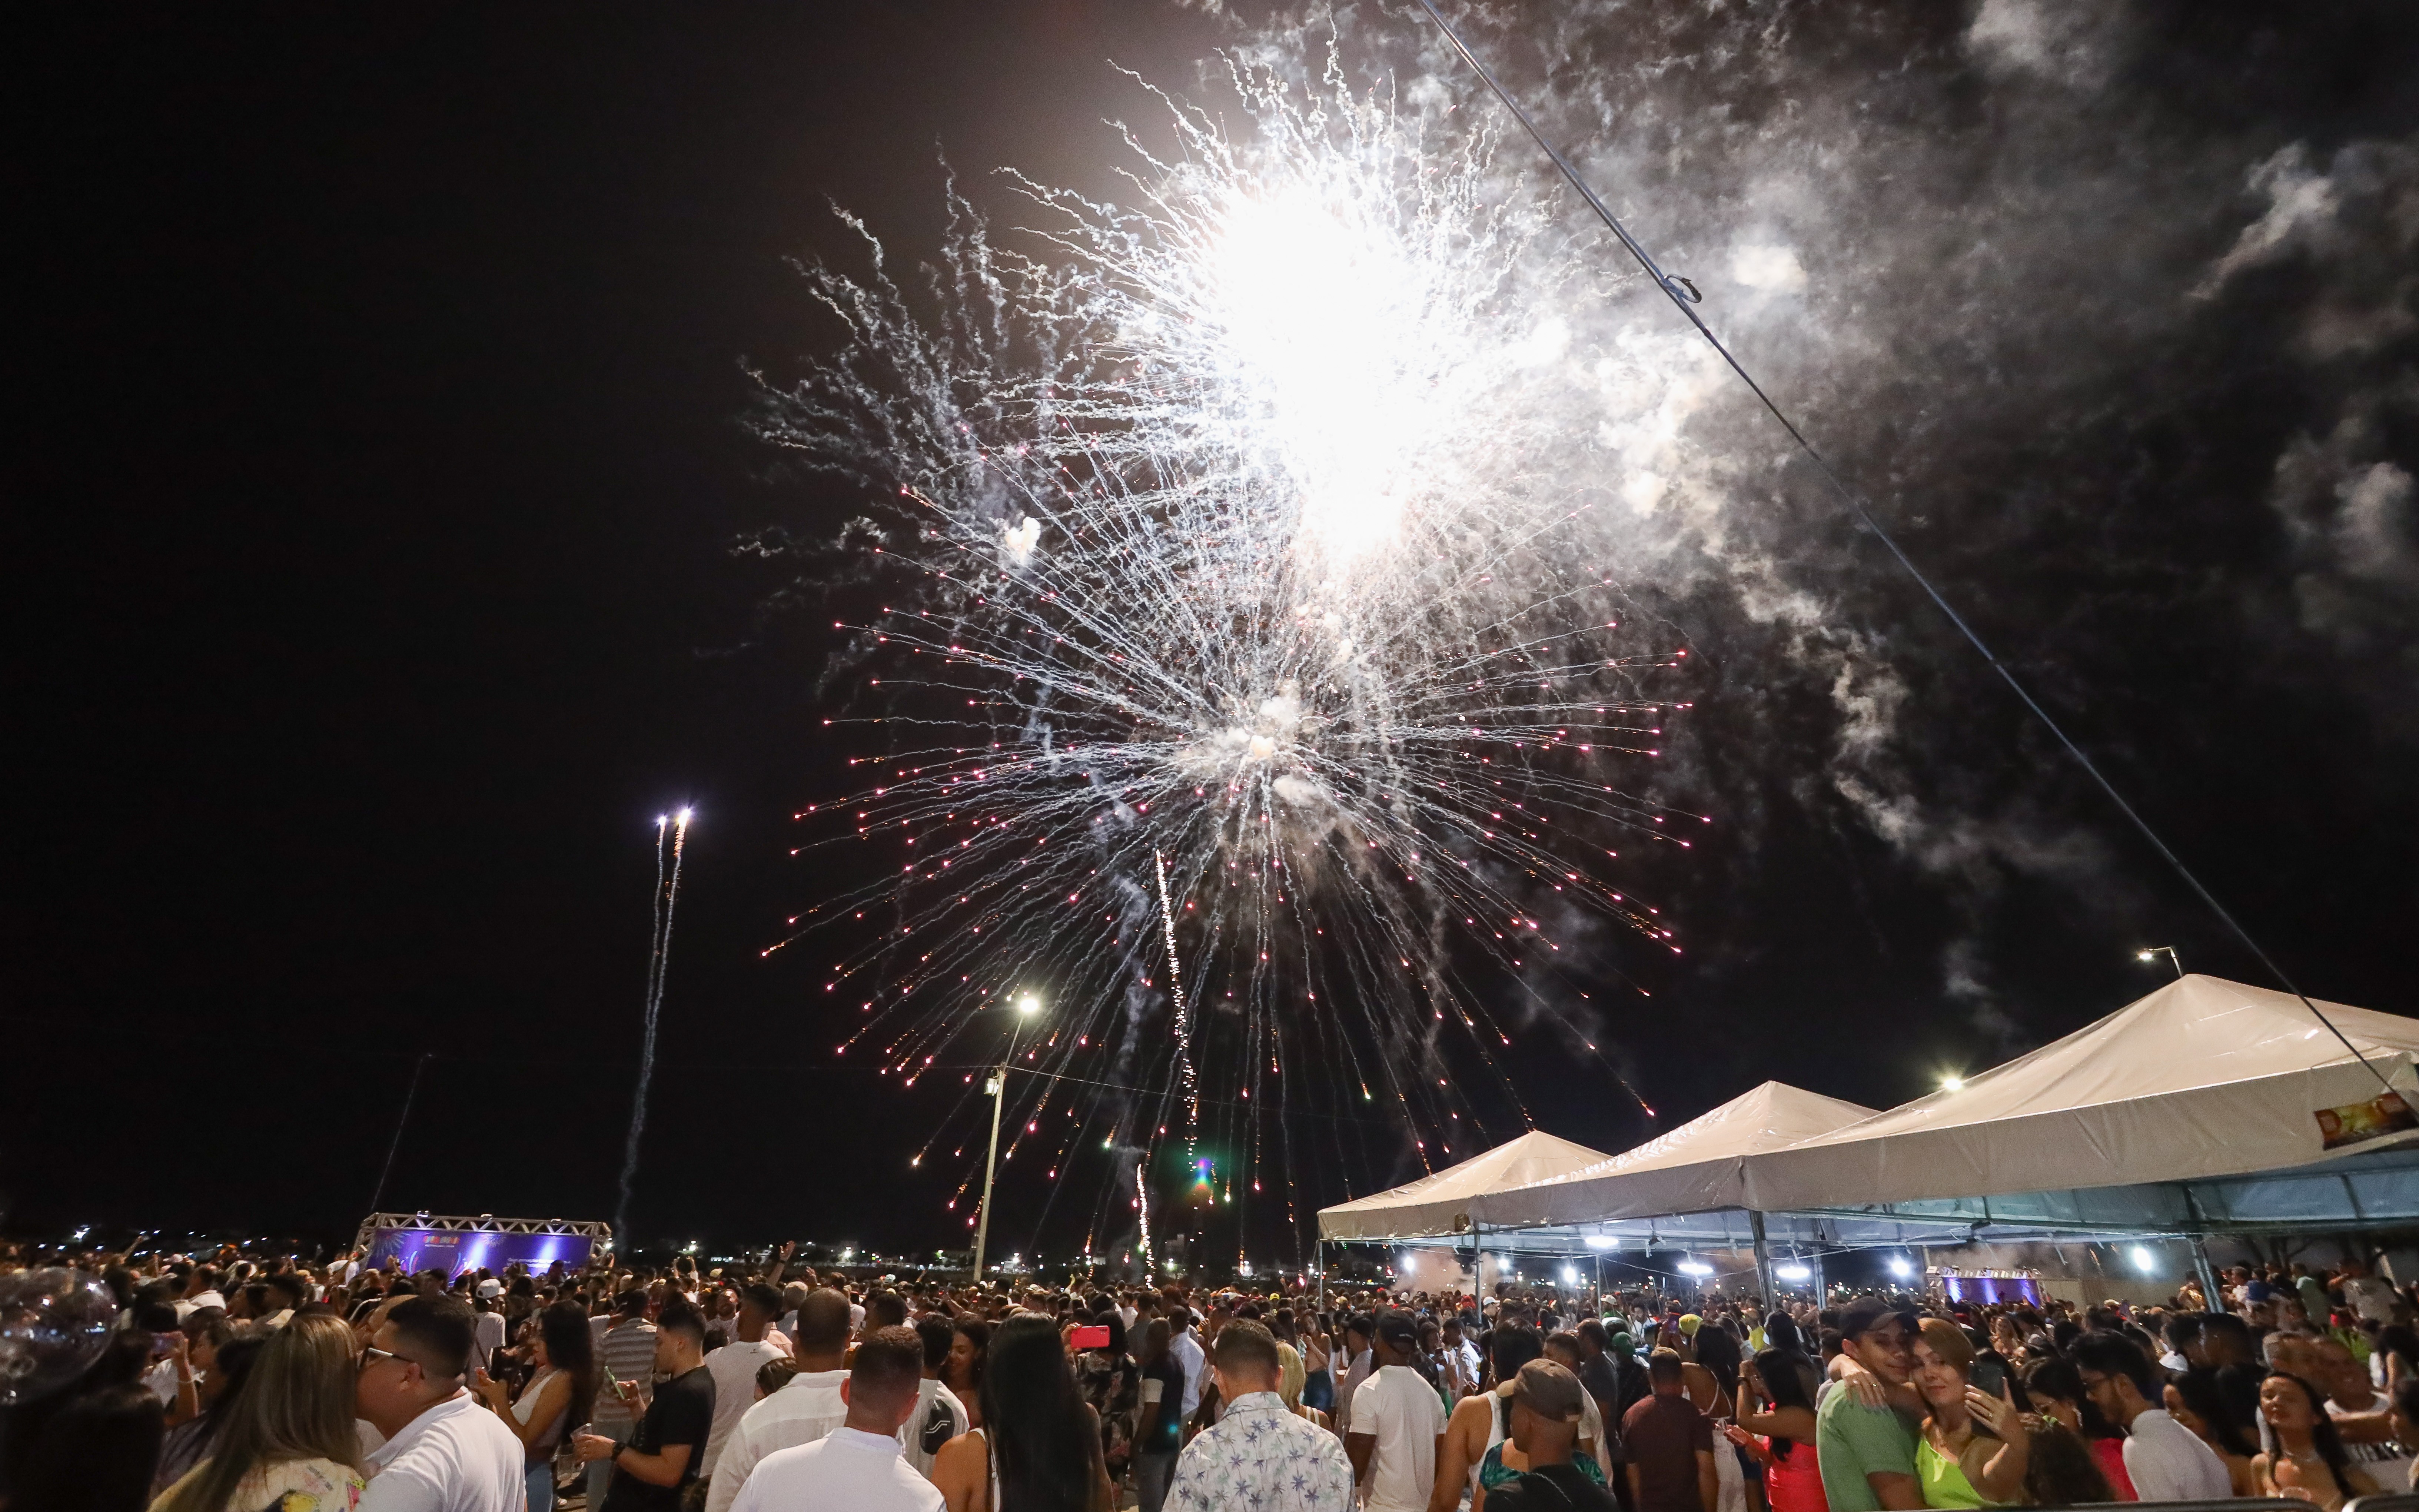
{"points": [[381, 463]]}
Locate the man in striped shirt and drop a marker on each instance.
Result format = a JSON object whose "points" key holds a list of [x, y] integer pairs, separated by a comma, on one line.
{"points": [[625, 1373]]}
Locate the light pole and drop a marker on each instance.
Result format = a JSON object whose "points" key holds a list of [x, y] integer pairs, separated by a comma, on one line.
{"points": [[1027, 1006], [2167, 951]]}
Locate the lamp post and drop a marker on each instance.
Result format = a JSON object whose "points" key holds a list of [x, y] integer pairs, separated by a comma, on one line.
{"points": [[2167, 951], [1027, 1006]]}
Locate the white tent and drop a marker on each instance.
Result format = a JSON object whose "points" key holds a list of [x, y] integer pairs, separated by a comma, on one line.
{"points": [[2203, 1078], [1698, 1167], [1438, 1203]]}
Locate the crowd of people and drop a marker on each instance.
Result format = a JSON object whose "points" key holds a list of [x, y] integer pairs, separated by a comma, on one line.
{"points": [[236, 1384]]}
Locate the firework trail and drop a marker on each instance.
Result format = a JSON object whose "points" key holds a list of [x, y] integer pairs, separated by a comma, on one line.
{"points": [[1186, 1080], [1235, 536], [659, 956]]}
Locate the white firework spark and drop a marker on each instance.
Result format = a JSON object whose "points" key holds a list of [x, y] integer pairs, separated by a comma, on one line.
{"points": [[1233, 536]]}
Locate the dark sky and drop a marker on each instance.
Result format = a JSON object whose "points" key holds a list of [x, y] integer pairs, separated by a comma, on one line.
{"points": [[378, 466]]}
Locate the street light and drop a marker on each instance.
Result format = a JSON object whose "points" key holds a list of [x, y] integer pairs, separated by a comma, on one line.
{"points": [[2167, 951], [996, 1085]]}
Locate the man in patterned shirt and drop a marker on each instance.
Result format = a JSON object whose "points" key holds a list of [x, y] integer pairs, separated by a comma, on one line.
{"points": [[1260, 1458]]}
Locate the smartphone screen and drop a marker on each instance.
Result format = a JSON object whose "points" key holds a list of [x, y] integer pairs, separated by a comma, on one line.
{"points": [[1096, 1336]]}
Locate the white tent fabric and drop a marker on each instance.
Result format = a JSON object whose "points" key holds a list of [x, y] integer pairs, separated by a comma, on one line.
{"points": [[1698, 1167], [1438, 1203], [2204, 1077]]}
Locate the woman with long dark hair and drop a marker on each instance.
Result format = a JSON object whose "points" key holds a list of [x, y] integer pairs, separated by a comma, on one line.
{"points": [[1159, 1429], [2056, 1391], [2309, 1459], [1780, 1437], [1712, 1380], [2193, 1398], [288, 1431], [962, 1371], [1039, 1449], [555, 1400]]}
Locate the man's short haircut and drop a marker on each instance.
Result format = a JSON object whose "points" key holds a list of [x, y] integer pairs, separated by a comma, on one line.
{"points": [[1246, 1348], [1663, 1366], [2114, 1356], [208, 1275], [938, 1334], [290, 1286], [884, 1309], [762, 1298], [1592, 1331], [682, 1315], [631, 1304], [888, 1364], [438, 1332], [823, 1322]]}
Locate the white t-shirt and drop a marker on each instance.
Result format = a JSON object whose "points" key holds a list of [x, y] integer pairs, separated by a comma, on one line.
{"points": [[2389, 1464], [2371, 1298], [1187, 1351], [806, 1410], [845, 1472], [733, 1368], [489, 1332], [939, 1418], [1401, 1412], [2169, 1462], [457, 1456]]}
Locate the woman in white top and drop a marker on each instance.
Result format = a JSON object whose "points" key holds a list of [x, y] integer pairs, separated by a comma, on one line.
{"points": [[288, 1431], [552, 1404]]}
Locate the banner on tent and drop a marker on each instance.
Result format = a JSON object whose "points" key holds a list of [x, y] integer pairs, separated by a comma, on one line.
{"points": [[2357, 1122]]}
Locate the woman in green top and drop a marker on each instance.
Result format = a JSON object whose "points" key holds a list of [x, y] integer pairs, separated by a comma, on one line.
{"points": [[1974, 1445]]}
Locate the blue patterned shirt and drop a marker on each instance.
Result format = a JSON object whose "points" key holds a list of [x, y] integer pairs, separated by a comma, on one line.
{"points": [[1262, 1458]]}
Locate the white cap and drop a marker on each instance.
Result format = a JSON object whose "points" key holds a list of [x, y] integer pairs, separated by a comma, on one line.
{"points": [[491, 1288]]}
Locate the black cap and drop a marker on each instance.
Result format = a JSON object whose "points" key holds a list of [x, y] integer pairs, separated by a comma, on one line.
{"points": [[1399, 1329], [1863, 1315]]}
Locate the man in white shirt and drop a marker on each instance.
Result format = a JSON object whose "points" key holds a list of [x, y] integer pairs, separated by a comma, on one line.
{"points": [[734, 1367], [1186, 1351], [1460, 1360], [1397, 1424], [488, 1330], [201, 1291], [444, 1452], [2364, 1420], [806, 1409], [2164, 1460], [856, 1465], [2374, 1300]]}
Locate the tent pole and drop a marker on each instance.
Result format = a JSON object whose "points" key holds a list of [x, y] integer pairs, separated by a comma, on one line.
{"points": [[1321, 1254], [1762, 1258], [2211, 1298]]}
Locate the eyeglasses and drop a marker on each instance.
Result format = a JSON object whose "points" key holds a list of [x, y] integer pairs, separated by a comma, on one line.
{"points": [[371, 1352]]}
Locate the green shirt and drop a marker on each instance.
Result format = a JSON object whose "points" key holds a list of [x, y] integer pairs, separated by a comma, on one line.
{"points": [[1852, 1441]]}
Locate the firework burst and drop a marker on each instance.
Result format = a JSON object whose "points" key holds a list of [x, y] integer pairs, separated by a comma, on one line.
{"points": [[1251, 686]]}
